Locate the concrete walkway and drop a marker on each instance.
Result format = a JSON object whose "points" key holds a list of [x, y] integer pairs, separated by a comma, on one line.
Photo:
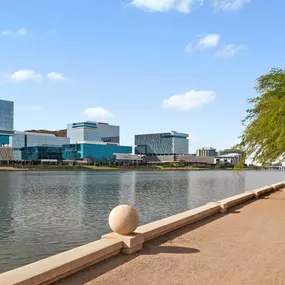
{"points": [[245, 246]]}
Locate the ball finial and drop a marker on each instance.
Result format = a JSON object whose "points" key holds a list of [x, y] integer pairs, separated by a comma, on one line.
{"points": [[124, 219]]}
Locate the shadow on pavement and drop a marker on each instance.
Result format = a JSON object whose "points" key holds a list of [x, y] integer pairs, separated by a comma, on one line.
{"points": [[169, 249]]}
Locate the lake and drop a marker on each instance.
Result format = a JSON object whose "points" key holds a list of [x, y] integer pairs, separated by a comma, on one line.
{"points": [[45, 213]]}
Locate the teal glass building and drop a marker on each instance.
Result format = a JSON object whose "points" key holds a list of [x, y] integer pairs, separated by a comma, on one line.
{"points": [[22, 140], [41, 152], [93, 151]]}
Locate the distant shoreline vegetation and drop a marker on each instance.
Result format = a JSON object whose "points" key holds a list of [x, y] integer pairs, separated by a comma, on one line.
{"points": [[125, 168]]}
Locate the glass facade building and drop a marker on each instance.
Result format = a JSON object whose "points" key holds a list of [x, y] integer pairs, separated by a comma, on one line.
{"points": [[6, 116], [93, 151], [6, 122], [206, 151], [4, 140], [41, 152], [93, 132], [169, 143], [26, 139]]}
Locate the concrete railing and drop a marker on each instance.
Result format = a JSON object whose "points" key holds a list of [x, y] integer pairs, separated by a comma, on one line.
{"points": [[158, 228], [58, 266], [124, 219]]}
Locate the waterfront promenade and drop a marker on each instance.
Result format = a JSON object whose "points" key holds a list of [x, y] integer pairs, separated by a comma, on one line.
{"points": [[244, 246]]}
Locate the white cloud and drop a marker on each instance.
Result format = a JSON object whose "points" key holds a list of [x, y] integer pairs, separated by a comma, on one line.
{"points": [[190, 100], [183, 6], [208, 41], [98, 113], [29, 74], [20, 32], [229, 50], [56, 76], [229, 5], [24, 75], [186, 6]]}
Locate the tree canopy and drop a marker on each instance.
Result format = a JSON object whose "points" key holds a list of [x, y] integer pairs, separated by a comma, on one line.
{"points": [[264, 134]]}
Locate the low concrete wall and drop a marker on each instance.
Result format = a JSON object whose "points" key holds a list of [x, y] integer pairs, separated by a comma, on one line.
{"points": [[262, 191], [158, 228], [235, 200], [56, 267], [61, 265]]}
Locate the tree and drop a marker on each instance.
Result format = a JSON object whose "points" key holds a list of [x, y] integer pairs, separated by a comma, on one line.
{"points": [[264, 134]]}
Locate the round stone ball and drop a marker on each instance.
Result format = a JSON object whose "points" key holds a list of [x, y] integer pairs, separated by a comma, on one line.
{"points": [[124, 219]]}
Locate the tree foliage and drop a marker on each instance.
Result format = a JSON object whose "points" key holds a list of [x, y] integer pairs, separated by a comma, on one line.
{"points": [[264, 134]]}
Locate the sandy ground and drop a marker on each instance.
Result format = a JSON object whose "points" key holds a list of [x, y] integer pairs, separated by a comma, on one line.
{"points": [[245, 246]]}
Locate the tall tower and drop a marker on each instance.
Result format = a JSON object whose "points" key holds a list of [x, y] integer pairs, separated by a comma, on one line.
{"points": [[6, 121]]}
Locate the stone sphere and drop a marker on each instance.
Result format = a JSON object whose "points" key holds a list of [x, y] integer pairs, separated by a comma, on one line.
{"points": [[124, 219]]}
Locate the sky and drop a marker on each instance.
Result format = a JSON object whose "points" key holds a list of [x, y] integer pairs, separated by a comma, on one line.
{"points": [[146, 65]]}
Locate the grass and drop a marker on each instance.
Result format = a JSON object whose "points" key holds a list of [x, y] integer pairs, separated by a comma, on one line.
{"points": [[59, 168], [73, 167], [110, 168], [161, 167], [9, 168]]}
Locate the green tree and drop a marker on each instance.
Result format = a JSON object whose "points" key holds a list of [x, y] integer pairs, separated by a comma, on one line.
{"points": [[264, 134]]}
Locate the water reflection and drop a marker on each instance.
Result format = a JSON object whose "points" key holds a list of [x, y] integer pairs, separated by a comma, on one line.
{"points": [[213, 186], [44, 213]]}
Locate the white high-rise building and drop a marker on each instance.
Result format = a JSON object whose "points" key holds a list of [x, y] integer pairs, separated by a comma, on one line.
{"points": [[93, 132]]}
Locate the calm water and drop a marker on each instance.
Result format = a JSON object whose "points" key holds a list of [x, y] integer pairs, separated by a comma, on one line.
{"points": [[44, 213]]}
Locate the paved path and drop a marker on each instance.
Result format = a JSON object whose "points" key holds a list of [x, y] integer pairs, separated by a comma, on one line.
{"points": [[245, 246]]}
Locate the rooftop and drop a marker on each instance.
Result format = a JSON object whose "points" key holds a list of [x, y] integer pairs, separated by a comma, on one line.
{"points": [[34, 133], [6, 101], [163, 133], [207, 148], [92, 122]]}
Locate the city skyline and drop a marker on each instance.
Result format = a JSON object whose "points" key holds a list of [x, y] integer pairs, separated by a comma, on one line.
{"points": [[148, 66]]}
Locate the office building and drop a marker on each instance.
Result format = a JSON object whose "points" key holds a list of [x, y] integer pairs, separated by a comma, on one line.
{"points": [[206, 151], [227, 151], [168, 143], [194, 159], [229, 158], [93, 132], [93, 141], [6, 129], [42, 153], [127, 157], [93, 151], [6, 122], [22, 140], [6, 116]]}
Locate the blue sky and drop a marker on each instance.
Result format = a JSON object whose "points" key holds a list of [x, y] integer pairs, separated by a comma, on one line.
{"points": [[146, 65]]}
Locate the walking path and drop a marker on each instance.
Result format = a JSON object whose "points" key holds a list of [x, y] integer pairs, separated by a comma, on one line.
{"points": [[244, 246]]}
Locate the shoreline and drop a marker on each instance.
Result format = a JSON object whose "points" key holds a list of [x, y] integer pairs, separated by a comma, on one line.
{"points": [[121, 169]]}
